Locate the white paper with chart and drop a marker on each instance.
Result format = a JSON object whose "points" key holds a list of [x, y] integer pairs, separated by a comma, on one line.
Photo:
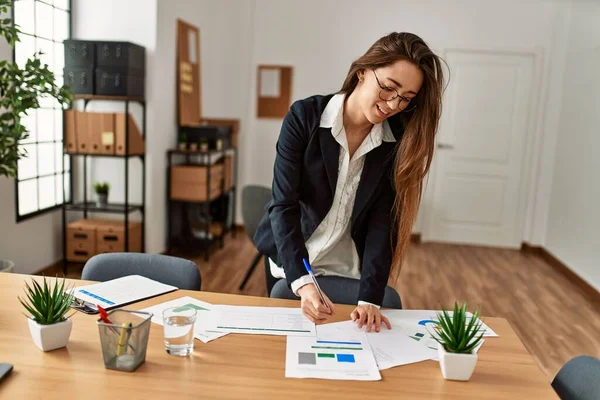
{"points": [[408, 341], [262, 321], [390, 347], [331, 357], [203, 320], [426, 319]]}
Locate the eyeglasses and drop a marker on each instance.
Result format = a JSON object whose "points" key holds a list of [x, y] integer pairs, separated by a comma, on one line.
{"points": [[388, 94]]}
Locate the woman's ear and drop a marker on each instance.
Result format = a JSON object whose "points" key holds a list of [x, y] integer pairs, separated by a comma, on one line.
{"points": [[361, 76]]}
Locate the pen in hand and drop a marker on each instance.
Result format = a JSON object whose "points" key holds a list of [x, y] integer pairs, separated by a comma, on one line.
{"points": [[314, 279]]}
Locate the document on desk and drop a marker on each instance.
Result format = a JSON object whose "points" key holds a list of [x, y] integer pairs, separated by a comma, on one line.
{"points": [[262, 321], [340, 357], [120, 291], [428, 319], [391, 348], [203, 313]]}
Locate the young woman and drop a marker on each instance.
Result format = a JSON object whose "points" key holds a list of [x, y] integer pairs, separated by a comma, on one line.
{"points": [[348, 176]]}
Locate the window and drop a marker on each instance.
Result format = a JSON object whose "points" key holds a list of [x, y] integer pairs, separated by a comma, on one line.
{"points": [[42, 174]]}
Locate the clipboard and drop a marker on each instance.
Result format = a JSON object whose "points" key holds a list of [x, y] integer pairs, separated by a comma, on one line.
{"points": [[117, 293]]}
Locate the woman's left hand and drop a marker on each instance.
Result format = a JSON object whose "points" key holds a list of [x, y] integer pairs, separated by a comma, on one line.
{"points": [[370, 316]]}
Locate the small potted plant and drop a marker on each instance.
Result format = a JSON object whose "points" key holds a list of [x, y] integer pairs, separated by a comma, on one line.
{"points": [[203, 143], [458, 337], [101, 189], [183, 142], [193, 146], [48, 305]]}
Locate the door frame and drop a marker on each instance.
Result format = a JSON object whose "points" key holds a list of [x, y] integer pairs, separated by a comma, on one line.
{"points": [[531, 155]]}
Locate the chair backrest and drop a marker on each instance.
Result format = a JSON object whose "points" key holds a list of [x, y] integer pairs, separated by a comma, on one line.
{"points": [[578, 379], [174, 271], [254, 200]]}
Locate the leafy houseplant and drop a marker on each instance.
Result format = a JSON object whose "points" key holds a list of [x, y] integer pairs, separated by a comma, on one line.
{"points": [[101, 189], [458, 336], [48, 305], [21, 86]]}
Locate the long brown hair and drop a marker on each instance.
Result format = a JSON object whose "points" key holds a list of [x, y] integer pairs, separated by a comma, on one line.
{"points": [[415, 150]]}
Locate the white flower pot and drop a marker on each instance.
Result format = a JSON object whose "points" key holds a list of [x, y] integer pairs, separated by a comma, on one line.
{"points": [[50, 337], [456, 367]]}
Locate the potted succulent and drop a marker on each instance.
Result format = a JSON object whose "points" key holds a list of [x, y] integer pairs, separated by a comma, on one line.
{"points": [[101, 189], [458, 337], [48, 305], [203, 145], [183, 142]]}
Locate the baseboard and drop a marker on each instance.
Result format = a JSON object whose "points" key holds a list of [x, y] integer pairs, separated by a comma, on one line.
{"points": [[588, 290]]}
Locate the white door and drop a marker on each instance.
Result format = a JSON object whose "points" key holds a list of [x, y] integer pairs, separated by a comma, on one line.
{"points": [[474, 189]]}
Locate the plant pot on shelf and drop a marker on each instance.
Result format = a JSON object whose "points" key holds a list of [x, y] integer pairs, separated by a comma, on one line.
{"points": [[182, 146], [6, 266], [193, 147], [50, 337], [101, 199], [456, 367]]}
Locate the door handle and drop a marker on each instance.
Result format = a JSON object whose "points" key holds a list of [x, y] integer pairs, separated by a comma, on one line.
{"points": [[445, 146]]}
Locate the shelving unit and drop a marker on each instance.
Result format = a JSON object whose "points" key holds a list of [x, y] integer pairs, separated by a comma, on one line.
{"points": [[125, 208], [226, 198]]}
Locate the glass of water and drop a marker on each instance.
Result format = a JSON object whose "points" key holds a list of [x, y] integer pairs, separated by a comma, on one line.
{"points": [[179, 330]]}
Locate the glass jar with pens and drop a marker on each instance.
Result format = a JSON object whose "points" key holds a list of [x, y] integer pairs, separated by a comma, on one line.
{"points": [[124, 338]]}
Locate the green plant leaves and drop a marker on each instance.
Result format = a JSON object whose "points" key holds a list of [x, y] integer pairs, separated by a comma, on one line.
{"points": [[47, 305], [20, 90], [457, 332], [101, 187]]}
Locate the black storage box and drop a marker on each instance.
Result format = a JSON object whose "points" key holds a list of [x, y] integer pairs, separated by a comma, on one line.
{"points": [[116, 81], [120, 54], [79, 79], [80, 53], [209, 132]]}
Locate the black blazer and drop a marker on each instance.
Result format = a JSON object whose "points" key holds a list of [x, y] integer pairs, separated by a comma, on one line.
{"points": [[304, 181]]}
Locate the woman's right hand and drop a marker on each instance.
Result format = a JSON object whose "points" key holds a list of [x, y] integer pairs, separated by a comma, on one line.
{"points": [[312, 306]]}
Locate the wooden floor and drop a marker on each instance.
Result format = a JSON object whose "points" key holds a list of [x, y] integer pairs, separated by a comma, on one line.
{"points": [[552, 317]]}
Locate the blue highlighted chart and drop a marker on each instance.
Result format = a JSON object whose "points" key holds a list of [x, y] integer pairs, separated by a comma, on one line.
{"points": [[311, 357], [426, 322]]}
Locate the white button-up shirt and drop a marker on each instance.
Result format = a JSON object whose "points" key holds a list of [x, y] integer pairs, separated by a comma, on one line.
{"points": [[331, 249]]}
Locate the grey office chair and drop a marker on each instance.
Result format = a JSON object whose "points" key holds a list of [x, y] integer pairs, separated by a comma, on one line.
{"points": [[340, 290], [178, 272], [254, 200], [578, 379]]}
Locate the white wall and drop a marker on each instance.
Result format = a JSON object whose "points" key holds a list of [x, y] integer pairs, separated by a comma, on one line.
{"points": [[32, 244], [574, 219], [322, 44]]}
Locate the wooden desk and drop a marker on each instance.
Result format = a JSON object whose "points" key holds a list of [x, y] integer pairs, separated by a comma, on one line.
{"points": [[236, 366]]}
